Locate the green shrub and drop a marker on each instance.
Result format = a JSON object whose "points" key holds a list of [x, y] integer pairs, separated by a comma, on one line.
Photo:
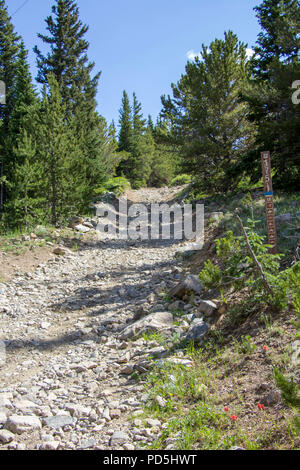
{"points": [[235, 267], [289, 388], [180, 180], [211, 275], [116, 185]]}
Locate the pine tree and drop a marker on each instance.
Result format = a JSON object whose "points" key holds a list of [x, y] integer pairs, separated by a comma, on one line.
{"points": [[279, 38], [142, 159], [27, 201], [142, 147], [275, 67], [67, 61], [55, 183], [150, 123], [136, 141], [9, 48], [138, 122], [24, 99], [166, 161], [208, 120], [109, 147], [64, 172], [25, 102], [125, 123]]}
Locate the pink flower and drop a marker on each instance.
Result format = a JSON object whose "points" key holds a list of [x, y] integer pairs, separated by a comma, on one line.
{"points": [[226, 409], [233, 418]]}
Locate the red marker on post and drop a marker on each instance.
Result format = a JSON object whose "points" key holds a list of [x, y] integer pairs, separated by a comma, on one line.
{"points": [[268, 190]]}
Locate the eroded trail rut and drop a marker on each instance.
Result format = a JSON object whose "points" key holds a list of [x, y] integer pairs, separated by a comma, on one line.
{"points": [[66, 383]]}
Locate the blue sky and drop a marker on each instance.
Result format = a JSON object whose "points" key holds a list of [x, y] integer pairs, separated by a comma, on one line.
{"points": [[142, 46]]}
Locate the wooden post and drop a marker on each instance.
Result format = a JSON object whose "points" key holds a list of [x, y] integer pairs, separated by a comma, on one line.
{"points": [[268, 190]]}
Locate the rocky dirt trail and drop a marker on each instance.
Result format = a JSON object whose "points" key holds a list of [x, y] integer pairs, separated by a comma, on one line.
{"points": [[66, 382]]}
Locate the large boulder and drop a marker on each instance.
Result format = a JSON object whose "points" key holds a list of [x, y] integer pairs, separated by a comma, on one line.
{"points": [[155, 322], [190, 285]]}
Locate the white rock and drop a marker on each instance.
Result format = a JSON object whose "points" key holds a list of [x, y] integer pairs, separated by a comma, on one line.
{"points": [[6, 436], [82, 228], [24, 405], [19, 424], [50, 445], [3, 417]]}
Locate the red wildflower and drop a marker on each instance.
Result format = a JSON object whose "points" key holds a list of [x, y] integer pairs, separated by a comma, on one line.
{"points": [[233, 418], [261, 406], [265, 348], [226, 409]]}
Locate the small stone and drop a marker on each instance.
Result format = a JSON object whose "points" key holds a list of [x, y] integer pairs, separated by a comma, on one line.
{"points": [[160, 401], [106, 414], [3, 417], [137, 423], [272, 398], [151, 298], [207, 307], [82, 228], [190, 285], [128, 369], [5, 401], [153, 423], [157, 321], [115, 414], [76, 221], [88, 224], [19, 424], [78, 410], [6, 436], [50, 445], [138, 413], [59, 251], [118, 437], [87, 444], [197, 331], [124, 359], [128, 447], [59, 421]]}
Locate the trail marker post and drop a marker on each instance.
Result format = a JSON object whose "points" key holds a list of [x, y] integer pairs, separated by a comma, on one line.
{"points": [[268, 191]]}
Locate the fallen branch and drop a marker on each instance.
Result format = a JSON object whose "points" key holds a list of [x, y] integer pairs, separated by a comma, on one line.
{"points": [[256, 262]]}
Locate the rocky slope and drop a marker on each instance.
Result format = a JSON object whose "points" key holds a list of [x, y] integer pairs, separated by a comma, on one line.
{"points": [[70, 331]]}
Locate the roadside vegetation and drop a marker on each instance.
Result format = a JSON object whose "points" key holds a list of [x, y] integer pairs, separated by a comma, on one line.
{"points": [[241, 387]]}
